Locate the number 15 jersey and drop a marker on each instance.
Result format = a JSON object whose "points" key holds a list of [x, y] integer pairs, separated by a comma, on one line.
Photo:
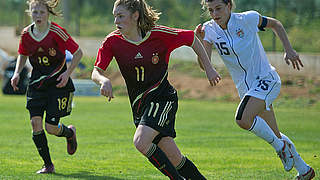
{"points": [[240, 48]]}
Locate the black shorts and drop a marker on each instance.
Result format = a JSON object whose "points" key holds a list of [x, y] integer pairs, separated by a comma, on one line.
{"points": [[56, 102], [160, 116]]}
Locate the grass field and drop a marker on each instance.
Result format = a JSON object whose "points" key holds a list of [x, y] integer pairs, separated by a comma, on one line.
{"points": [[206, 133]]}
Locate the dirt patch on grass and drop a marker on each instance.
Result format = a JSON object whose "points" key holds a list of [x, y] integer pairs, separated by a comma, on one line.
{"points": [[199, 88]]}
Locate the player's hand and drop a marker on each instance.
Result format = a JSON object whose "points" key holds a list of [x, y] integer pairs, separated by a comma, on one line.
{"points": [[293, 57], [199, 31], [14, 81], [63, 78], [213, 77], [106, 90]]}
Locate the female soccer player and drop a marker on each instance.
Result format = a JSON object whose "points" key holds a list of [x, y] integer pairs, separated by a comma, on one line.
{"points": [[235, 37], [142, 50], [50, 88]]}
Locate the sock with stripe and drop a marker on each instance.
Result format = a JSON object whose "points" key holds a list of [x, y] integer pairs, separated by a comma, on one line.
{"points": [[65, 131], [188, 170], [261, 129], [40, 140], [158, 158], [301, 166]]}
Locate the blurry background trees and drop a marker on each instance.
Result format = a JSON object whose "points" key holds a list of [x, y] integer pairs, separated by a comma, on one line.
{"points": [[301, 18]]}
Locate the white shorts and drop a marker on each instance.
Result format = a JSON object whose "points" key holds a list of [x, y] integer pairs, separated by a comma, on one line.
{"points": [[265, 88]]}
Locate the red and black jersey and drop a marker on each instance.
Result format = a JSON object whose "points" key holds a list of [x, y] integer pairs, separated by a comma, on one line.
{"points": [[143, 64], [46, 55]]}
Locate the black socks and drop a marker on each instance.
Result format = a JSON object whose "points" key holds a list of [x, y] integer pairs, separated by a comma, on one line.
{"points": [[40, 140], [188, 170], [65, 131], [158, 158]]}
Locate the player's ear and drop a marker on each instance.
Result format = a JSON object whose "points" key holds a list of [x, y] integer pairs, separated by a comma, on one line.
{"points": [[135, 15]]}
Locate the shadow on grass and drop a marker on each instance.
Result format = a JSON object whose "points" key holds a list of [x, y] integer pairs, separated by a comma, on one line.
{"points": [[85, 175]]}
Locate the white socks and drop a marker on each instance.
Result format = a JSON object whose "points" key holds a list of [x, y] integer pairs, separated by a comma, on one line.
{"points": [[299, 164], [261, 129]]}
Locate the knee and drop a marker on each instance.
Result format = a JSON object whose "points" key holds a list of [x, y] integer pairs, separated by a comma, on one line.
{"points": [[52, 129], [140, 144], [36, 123], [244, 121]]}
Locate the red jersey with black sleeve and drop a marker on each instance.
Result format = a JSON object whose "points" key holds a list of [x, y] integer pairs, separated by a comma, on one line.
{"points": [[144, 64], [47, 55]]}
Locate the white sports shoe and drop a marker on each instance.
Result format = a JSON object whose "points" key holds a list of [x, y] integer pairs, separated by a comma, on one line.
{"points": [[285, 154], [307, 176]]}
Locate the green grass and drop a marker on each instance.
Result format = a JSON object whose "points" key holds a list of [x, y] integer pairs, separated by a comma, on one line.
{"points": [[206, 133]]}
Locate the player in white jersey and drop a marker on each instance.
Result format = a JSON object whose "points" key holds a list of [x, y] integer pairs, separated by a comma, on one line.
{"points": [[235, 37]]}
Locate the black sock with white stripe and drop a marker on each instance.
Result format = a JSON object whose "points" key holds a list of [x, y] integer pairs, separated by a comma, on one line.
{"points": [[158, 158], [188, 170]]}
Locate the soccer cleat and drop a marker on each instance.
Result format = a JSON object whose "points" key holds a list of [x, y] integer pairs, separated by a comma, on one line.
{"points": [[307, 176], [72, 141], [285, 154], [46, 169]]}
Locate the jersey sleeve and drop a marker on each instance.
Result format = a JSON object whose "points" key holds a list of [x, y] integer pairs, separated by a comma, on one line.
{"points": [[105, 55], [252, 20], [70, 44], [64, 40], [22, 46], [180, 38], [208, 32], [175, 38]]}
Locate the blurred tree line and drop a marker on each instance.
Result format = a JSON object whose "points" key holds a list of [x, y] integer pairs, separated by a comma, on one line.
{"points": [[301, 18]]}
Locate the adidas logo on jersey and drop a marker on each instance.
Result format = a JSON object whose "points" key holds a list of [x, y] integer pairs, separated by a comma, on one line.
{"points": [[138, 56], [40, 49]]}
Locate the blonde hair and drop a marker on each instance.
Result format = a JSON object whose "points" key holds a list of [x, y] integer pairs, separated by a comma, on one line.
{"points": [[50, 4], [147, 16]]}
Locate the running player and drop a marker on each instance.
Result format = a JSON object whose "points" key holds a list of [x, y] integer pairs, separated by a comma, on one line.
{"points": [[142, 50], [50, 88], [235, 37]]}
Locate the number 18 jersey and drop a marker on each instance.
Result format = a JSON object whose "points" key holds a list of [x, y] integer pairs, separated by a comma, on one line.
{"points": [[47, 55]]}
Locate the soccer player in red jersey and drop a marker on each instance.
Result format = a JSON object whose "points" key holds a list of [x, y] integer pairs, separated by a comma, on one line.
{"points": [[50, 88], [142, 50]]}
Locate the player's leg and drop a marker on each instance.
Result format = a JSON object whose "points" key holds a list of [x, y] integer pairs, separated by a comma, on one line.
{"points": [[143, 141], [40, 140], [184, 166], [36, 104], [304, 170], [248, 118], [59, 106]]}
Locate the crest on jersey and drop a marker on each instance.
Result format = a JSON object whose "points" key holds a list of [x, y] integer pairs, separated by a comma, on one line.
{"points": [[52, 52], [240, 33], [155, 58]]}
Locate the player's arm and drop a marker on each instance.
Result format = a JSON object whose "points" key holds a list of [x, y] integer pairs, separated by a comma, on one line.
{"points": [[105, 84], [200, 35], [278, 29], [212, 74], [75, 61], [64, 77], [21, 61]]}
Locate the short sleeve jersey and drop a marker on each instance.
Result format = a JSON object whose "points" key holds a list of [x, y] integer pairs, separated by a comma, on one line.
{"points": [[143, 64], [47, 55], [240, 47]]}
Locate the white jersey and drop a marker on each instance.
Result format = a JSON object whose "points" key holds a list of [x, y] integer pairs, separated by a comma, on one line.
{"points": [[240, 48]]}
